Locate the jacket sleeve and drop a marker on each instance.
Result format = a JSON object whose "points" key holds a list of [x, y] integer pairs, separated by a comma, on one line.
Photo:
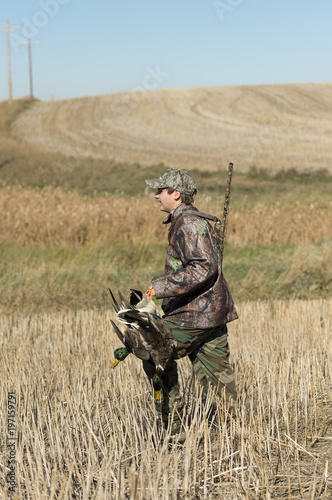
{"points": [[198, 253]]}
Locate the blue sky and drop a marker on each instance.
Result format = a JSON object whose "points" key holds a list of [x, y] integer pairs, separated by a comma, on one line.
{"points": [[102, 46]]}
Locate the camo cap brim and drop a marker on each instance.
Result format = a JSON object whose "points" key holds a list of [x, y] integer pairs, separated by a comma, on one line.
{"points": [[177, 179]]}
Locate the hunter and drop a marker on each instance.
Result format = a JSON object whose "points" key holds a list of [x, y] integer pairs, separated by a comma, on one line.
{"points": [[197, 303]]}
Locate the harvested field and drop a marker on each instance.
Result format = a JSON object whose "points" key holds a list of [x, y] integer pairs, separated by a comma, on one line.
{"points": [[85, 431], [267, 126], [54, 217]]}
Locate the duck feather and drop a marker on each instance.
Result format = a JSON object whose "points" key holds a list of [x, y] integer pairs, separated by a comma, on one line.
{"points": [[147, 335]]}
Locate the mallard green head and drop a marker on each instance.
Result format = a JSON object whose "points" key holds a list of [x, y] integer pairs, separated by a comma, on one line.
{"points": [[120, 354]]}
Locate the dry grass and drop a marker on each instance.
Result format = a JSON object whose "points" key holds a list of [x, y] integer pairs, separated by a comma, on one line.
{"points": [[268, 126], [85, 431], [54, 217]]}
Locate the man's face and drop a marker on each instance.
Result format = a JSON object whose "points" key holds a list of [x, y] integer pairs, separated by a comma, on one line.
{"points": [[168, 201]]}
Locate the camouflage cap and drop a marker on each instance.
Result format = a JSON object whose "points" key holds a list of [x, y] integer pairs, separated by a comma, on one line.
{"points": [[177, 179]]}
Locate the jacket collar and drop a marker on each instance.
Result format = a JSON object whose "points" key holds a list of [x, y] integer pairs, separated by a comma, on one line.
{"points": [[177, 211]]}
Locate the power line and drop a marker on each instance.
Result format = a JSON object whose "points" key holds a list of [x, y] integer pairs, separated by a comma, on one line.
{"points": [[8, 29], [29, 43]]}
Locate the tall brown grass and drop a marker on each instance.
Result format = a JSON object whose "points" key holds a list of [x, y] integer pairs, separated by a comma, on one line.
{"points": [[54, 217], [85, 431]]}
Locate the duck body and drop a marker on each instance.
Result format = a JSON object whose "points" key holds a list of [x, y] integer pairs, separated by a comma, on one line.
{"points": [[146, 334]]}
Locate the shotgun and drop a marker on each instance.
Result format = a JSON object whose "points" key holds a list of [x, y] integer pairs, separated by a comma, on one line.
{"points": [[220, 227]]}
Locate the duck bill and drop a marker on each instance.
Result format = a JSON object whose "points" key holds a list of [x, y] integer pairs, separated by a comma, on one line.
{"points": [[116, 362]]}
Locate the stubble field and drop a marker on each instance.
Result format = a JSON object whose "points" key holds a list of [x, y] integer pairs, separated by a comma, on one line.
{"points": [[85, 431], [73, 226]]}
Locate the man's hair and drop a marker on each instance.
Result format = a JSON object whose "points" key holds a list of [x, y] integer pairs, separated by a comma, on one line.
{"points": [[185, 198]]}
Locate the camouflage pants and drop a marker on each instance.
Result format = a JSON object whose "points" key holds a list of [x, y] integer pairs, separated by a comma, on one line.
{"points": [[208, 351]]}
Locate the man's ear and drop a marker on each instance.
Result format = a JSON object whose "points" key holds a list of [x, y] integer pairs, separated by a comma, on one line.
{"points": [[177, 195]]}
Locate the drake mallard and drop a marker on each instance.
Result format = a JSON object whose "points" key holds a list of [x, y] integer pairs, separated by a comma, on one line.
{"points": [[146, 334]]}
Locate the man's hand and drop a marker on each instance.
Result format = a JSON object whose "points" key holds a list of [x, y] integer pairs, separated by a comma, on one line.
{"points": [[150, 292]]}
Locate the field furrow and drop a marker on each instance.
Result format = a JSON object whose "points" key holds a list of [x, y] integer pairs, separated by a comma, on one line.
{"points": [[268, 126]]}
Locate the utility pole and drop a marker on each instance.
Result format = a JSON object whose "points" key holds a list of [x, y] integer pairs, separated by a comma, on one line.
{"points": [[8, 29], [29, 43]]}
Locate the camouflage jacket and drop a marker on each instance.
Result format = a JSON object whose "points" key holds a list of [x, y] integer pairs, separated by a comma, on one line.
{"points": [[193, 287]]}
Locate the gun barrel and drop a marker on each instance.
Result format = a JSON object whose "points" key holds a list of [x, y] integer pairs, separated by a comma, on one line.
{"points": [[222, 226]]}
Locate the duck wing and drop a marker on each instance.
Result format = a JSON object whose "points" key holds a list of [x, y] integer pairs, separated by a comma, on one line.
{"points": [[125, 340], [132, 342], [115, 303], [156, 336]]}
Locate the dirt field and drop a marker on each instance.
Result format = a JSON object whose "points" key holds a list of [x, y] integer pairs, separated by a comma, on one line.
{"points": [[267, 126]]}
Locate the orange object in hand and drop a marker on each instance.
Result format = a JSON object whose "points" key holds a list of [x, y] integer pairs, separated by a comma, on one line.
{"points": [[150, 293]]}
